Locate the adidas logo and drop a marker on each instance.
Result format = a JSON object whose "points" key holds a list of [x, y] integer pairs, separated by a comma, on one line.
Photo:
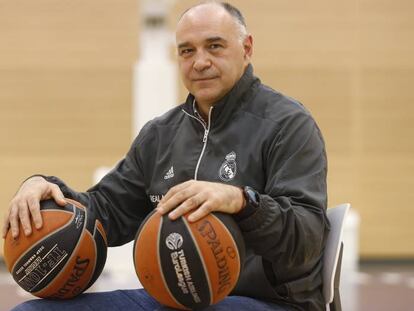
{"points": [[170, 173]]}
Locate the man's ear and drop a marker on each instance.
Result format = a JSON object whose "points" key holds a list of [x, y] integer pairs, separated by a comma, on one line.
{"points": [[248, 47]]}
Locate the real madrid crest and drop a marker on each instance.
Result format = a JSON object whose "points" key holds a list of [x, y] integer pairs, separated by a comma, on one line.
{"points": [[228, 169]]}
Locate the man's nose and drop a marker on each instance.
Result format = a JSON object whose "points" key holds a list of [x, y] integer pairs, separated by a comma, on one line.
{"points": [[201, 62]]}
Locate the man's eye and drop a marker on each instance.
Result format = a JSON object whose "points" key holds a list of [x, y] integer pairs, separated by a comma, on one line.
{"points": [[184, 52], [214, 46]]}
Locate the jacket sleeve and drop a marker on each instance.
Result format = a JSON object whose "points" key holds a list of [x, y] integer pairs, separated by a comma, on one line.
{"points": [[119, 200], [289, 228]]}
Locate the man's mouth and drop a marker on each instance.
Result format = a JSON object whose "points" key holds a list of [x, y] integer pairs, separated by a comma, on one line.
{"points": [[204, 79]]}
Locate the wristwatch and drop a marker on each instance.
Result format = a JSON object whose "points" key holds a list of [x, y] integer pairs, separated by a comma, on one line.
{"points": [[252, 199]]}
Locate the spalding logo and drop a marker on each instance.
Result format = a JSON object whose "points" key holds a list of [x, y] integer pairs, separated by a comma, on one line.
{"points": [[174, 241]]}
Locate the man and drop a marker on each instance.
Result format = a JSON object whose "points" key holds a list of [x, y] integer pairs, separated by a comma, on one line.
{"points": [[234, 146]]}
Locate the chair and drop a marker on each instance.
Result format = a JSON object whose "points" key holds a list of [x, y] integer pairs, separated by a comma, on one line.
{"points": [[332, 258]]}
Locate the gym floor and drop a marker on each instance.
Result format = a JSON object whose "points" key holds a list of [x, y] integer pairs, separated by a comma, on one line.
{"points": [[377, 287]]}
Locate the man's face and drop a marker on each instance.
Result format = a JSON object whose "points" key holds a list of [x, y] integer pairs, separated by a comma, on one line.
{"points": [[211, 55]]}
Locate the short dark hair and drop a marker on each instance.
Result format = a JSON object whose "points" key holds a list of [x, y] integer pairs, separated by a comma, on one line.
{"points": [[233, 11]]}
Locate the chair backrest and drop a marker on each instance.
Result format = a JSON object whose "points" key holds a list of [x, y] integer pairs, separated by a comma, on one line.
{"points": [[336, 216]]}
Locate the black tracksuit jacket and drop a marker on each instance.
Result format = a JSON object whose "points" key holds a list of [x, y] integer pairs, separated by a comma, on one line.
{"points": [[255, 137]]}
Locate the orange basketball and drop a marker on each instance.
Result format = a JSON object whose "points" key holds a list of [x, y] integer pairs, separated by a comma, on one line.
{"points": [[64, 257], [188, 265]]}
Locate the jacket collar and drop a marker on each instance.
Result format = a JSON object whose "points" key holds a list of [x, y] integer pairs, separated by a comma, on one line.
{"points": [[225, 106]]}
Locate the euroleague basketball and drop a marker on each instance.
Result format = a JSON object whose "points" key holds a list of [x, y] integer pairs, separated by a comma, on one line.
{"points": [[64, 257], [188, 265]]}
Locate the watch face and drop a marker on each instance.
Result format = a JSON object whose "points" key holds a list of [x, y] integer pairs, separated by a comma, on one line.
{"points": [[251, 196]]}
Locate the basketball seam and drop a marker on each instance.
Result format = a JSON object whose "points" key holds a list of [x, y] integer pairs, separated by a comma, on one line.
{"points": [[46, 236], [96, 258], [103, 234], [200, 255], [234, 243], [76, 203], [140, 230], [74, 250], [30, 290], [160, 266]]}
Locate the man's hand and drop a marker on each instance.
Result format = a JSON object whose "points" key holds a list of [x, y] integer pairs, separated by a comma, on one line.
{"points": [[26, 205], [203, 197]]}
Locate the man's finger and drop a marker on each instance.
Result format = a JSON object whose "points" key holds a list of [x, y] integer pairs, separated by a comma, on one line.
{"points": [[175, 200], [25, 218], [205, 209], [58, 196], [191, 203], [172, 191], [34, 207], [6, 225], [14, 222]]}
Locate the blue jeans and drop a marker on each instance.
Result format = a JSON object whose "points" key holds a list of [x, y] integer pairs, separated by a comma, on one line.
{"points": [[137, 300]]}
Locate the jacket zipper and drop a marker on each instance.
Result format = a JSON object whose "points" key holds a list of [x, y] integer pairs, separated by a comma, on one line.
{"points": [[205, 137]]}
